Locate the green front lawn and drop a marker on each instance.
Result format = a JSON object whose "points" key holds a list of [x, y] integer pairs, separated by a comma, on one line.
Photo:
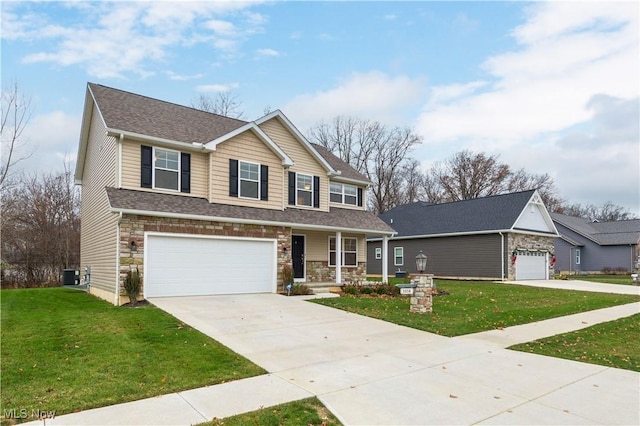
{"points": [[614, 344], [65, 351], [308, 411], [607, 279], [479, 306]]}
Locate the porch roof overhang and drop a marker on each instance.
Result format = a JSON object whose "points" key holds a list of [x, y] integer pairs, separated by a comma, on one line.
{"points": [[146, 203]]}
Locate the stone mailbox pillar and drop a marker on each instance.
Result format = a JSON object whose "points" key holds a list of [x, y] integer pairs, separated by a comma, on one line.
{"points": [[422, 299]]}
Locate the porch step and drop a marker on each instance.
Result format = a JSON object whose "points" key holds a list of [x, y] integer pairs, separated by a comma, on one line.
{"points": [[319, 288]]}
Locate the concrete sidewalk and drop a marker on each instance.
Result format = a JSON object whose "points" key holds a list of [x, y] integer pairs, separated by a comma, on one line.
{"points": [[368, 371], [581, 285]]}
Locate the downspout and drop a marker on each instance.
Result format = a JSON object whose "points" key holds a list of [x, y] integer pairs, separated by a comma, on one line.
{"points": [[119, 177], [501, 254], [116, 297]]}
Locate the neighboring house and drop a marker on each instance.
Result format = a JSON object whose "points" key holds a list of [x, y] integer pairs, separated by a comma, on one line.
{"points": [[587, 246], [503, 237], [205, 204]]}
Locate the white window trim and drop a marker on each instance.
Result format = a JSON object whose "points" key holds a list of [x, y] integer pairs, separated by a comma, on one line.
{"points": [[395, 256], [240, 179], [153, 169], [343, 251], [378, 253], [343, 194], [298, 175]]}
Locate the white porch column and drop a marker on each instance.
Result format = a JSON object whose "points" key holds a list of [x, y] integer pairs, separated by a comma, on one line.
{"points": [[338, 258], [385, 259]]}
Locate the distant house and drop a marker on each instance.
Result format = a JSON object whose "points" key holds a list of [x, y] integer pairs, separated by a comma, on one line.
{"points": [[203, 204], [587, 246], [508, 237]]}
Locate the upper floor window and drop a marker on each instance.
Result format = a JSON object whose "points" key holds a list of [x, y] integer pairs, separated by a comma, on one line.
{"points": [[304, 188], [249, 180], [165, 169], [345, 194]]}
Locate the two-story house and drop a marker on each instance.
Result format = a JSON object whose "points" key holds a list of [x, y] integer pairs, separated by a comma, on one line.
{"points": [[203, 204]]}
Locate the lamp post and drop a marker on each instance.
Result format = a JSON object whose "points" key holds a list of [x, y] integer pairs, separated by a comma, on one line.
{"points": [[421, 262]]}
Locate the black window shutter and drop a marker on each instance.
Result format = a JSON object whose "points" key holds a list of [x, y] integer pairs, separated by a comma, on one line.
{"points": [[264, 183], [316, 191], [185, 172], [233, 178], [292, 188], [146, 163], [359, 197]]}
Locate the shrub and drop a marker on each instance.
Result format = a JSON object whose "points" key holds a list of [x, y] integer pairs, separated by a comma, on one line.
{"points": [[132, 286], [287, 276], [366, 290], [349, 289], [300, 290]]}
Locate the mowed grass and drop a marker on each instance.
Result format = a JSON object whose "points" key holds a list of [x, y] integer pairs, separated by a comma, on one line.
{"points": [[479, 306], [613, 344], [306, 412], [65, 351], [606, 279]]}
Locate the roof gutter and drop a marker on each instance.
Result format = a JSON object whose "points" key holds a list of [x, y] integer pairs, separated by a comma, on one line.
{"points": [[249, 221], [194, 146]]}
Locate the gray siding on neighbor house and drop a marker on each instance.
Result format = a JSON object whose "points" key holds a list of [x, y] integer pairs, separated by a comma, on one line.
{"points": [[470, 256], [593, 257]]}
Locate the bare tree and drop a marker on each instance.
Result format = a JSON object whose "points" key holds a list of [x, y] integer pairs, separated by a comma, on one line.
{"points": [[40, 229], [375, 150], [606, 212], [15, 115], [467, 175], [224, 103]]}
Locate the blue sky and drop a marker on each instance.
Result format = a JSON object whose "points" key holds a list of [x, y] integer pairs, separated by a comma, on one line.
{"points": [[552, 87]]}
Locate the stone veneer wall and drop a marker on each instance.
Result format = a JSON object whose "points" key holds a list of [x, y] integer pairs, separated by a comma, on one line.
{"points": [[321, 272], [132, 228], [526, 241]]}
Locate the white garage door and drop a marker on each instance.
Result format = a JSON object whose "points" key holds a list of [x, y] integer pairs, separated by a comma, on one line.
{"points": [[192, 266], [531, 266]]}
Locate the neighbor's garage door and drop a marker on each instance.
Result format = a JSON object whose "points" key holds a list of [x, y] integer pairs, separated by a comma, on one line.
{"points": [[531, 266], [190, 266]]}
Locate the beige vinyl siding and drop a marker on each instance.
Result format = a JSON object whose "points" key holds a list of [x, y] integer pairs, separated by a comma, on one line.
{"points": [[317, 245], [245, 147], [131, 170], [98, 226], [304, 162]]}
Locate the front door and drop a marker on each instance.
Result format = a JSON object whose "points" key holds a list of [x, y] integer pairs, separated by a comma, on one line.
{"points": [[297, 255]]}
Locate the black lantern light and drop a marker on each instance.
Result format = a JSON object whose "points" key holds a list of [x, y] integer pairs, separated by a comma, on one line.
{"points": [[421, 262]]}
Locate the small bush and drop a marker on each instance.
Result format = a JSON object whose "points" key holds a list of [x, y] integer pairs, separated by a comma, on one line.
{"points": [[287, 276], [132, 286], [366, 290], [300, 290]]}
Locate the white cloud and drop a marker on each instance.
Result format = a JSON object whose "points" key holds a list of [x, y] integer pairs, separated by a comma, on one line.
{"points": [[179, 77], [217, 88], [116, 38], [372, 95], [565, 102], [268, 53], [50, 139]]}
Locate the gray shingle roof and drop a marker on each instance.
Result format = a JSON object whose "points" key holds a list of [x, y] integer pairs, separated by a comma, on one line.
{"points": [[334, 161], [494, 213], [604, 233], [336, 218], [135, 113], [152, 117]]}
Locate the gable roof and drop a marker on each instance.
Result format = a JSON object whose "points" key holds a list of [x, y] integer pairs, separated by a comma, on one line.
{"points": [[130, 112], [346, 172], [621, 232], [169, 205], [500, 213], [139, 116]]}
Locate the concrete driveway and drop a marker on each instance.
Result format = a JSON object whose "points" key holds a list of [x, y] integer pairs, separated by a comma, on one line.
{"points": [[371, 372]]}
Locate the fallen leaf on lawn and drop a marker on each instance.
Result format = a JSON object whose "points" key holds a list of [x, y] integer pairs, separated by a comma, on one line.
{"points": [[164, 379], [452, 396]]}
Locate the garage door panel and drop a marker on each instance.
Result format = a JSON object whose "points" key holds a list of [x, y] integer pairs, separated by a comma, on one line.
{"points": [[188, 266], [531, 266]]}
